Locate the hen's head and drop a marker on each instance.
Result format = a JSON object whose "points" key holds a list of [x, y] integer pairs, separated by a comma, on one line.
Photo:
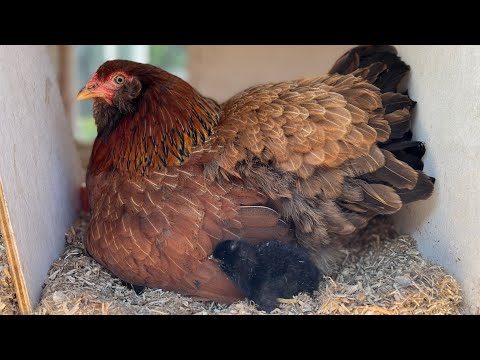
{"points": [[129, 98], [119, 83]]}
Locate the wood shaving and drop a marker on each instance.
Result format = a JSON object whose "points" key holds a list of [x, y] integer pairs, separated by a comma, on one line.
{"points": [[383, 273], [8, 299]]}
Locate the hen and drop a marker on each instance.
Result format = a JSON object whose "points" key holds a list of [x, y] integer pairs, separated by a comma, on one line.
{"points": [[172, 173]]}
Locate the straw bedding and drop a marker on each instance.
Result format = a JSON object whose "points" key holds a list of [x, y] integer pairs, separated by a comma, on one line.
{"points": [[8, 301], [383, 273]]}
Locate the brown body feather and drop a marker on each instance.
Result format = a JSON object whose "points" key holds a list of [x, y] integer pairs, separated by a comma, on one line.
{"points": [[294, 161]]}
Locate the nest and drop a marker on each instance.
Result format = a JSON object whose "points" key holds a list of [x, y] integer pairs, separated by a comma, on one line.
{"points": [[383, 273], [8, 300]]}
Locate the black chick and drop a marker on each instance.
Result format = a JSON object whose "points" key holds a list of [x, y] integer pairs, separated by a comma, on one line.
{"points": [[139, 290], [267, 272]]}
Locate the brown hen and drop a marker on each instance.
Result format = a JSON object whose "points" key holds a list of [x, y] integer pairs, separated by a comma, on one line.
{"points": [[172, 173]]}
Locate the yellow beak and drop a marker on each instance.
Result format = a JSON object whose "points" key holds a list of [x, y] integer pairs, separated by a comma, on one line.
{"points": [[88, 94]]}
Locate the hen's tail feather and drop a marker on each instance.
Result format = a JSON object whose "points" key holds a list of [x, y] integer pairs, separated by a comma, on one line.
{"points": [[410, 152], [397, 113], [396, 101], [366, 55], [422, 190], [395, 172], [371, 73], [381, 66], [350, 61]]}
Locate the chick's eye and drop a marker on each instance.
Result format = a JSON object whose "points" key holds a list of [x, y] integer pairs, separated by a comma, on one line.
{"points": [[119, 79]]}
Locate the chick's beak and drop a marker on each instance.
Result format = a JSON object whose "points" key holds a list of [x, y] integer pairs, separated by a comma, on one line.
{"points": [[218, 262], [88, 92]]}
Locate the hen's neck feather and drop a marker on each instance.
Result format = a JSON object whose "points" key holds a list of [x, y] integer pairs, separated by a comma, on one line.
{"points": [[170, 118]]}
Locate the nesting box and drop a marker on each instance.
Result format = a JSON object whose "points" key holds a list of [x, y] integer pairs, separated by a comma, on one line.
{"points": [[39, 165]]}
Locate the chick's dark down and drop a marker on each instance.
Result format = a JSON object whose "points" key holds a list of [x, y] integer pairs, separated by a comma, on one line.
{"points": [[268, 271]]}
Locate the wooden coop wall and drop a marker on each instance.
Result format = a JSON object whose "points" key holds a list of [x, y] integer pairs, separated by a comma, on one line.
{"points": [[39, 168], [445, 81]]}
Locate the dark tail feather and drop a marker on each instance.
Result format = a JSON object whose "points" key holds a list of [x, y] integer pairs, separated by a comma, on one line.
{"points": [[410, 152], [422, 190], [366, 55], [395, 172], [397, 113], [381, 66]]}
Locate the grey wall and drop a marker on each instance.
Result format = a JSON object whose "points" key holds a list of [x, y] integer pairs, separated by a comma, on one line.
{"points": [[445, 81], [38, 162]]}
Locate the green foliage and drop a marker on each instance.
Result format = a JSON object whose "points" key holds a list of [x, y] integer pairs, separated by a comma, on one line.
{"points": [[168, 56], [85, 129]]}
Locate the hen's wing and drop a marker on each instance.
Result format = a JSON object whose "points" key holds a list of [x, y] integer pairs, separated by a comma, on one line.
{"points": [[301, 125]]}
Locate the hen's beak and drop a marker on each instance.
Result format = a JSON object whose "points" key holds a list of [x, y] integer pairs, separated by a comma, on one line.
{"points": [[88, 93]]}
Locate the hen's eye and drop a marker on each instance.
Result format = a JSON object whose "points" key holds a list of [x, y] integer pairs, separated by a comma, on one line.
{"points": [[119, 79]]}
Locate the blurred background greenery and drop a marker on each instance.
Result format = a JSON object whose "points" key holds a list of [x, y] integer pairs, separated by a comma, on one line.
{"points": [[172, 58]]}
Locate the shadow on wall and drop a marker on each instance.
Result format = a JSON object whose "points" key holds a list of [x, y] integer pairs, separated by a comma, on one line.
{"points": [[414, 216]]}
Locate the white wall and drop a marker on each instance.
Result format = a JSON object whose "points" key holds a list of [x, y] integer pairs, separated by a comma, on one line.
{"points": [[445, 80], [39, 166], [220, 71]]}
